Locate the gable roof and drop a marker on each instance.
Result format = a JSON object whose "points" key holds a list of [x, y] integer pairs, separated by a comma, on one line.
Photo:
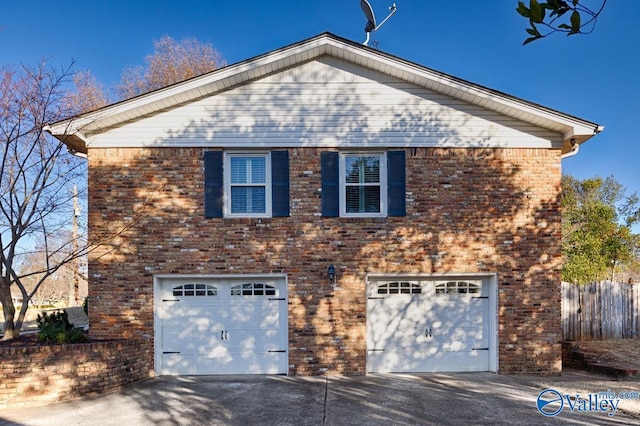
{"points": [[76, 132]]}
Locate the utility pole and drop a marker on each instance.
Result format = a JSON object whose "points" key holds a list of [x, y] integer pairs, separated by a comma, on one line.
{"points": [[74, 285]]}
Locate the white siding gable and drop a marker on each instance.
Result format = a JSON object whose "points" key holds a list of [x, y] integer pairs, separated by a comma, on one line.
{"points": [[328, 102]]}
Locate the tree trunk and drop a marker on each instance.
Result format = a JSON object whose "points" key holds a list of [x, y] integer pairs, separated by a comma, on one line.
{"points": [[9, 310]]}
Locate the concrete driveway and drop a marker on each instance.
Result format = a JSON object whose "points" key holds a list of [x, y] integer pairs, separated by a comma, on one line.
{"points": [[421, 399]]}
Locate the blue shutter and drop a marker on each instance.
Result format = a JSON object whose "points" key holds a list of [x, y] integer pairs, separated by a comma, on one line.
{"points": [[280, 183], [396, 192], [329, 162], [213, 183]]}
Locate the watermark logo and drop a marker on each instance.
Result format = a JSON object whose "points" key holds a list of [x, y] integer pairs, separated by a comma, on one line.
{"points": [[551, 402]]}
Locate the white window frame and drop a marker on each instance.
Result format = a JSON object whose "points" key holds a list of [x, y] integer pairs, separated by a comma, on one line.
{"points": [[227, 183], [383, 183]]}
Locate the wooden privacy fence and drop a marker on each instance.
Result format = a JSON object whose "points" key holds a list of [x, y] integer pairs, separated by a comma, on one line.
{"points": [[600, 310]]}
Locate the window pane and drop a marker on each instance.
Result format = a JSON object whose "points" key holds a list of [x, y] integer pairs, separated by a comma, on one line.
{"points": [[258, 170], [372, 170], [248, 170], [362, 169], [362, 199], [258, 199], [352, 169], [238, 170], [239, 199], [248, 199]]}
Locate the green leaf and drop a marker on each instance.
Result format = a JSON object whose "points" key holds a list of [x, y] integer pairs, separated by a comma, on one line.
{"points": [[537, 11], [523, 10], [564, 26], [534, 30], [575, 2], [530, 39], [575, 22]]}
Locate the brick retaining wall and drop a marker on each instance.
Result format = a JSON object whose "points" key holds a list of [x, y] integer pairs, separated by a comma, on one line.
{"points": [[45, 374]]}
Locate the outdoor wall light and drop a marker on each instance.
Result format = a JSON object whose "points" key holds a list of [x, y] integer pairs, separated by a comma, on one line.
{"points": [[331, 272]]}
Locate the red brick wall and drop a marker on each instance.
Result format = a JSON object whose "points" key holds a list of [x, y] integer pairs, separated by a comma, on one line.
{"points": [[468, 210], [44, 374]]}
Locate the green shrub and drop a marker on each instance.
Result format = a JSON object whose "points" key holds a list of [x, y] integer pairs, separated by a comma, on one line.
{"points": [[76, 335], [55, 327]]}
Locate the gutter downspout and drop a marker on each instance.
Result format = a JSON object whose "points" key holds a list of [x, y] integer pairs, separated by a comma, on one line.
{"points": [[77, 153], [575, 147]]}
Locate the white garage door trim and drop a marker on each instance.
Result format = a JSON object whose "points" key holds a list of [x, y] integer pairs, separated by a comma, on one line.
{"points": [[489, 292], [226, 283]]}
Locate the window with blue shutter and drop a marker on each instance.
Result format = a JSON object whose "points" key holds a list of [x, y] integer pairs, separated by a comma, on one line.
{"points": [[363, 184], [246, 184]]}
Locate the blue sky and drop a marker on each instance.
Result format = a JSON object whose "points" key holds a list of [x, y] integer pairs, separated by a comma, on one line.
{"points": [[595, 77]]}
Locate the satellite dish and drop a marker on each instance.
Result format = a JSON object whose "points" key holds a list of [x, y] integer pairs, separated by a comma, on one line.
{"points": [[371, 18]]}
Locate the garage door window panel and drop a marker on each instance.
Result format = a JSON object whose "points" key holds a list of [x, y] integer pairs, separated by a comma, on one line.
{"points": [[458, 287], [253, 289], [194, 290], [402, 287]]}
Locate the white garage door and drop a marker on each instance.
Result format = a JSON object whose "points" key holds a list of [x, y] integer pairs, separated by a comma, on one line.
{"points": [[428, 325], [221, 326]]}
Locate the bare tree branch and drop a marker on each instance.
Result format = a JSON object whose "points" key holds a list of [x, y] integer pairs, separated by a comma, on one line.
{"points": [[37, 173]]}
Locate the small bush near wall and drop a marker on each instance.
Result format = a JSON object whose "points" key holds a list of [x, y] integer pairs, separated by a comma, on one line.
{"points": [[36, 375]]}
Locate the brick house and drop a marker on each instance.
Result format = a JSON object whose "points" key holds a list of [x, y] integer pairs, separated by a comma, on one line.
{"points": [[327, 208]]}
